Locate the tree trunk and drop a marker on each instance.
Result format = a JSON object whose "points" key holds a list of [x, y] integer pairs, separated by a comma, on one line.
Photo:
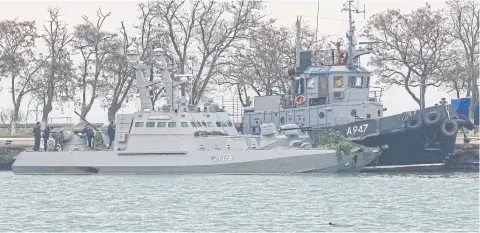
{"points": [[47, 108], [473, 101], [85, 110], [13, 124], [422, 95], [112, 110]]}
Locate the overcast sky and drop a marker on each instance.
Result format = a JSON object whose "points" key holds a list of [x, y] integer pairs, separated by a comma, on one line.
{"points": [[332, 22]]}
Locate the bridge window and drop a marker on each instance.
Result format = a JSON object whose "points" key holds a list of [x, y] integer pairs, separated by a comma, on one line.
{"points": [[183, 124], [224, 124], [323, 82], [338, 81], [218, 124], [172, 124], [139, 124], [351, 81], [359, 82], [310, 83], [161, 124], [230, 123], [204, 124], [210, 124], [193, 124], [150, 124], [198, 124], [353, 113], [366, 81]]}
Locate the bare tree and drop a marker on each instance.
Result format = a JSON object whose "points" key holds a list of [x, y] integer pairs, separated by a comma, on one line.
{"points": [[119, 77], [54, 86], [10, 115], [17, 41], [465, 19], [411, 49], [261, 64], [204, 30], [94, 45]]}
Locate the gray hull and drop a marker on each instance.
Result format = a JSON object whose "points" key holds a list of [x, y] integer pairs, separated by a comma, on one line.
{"points": [[232, 162]]}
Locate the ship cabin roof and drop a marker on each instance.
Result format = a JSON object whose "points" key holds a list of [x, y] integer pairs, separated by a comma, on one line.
{"points": [[327, 70]]}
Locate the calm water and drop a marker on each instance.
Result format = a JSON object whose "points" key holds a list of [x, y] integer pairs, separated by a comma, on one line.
{"points": [[358, 203]]}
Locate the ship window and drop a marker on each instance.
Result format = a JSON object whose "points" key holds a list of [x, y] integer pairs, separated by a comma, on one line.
{"points": [[366, 81], [282, 120], [353, 112], [379, 113], [210, 124], [218, 124], [351, 81], [172, 124], [224, 124], [358, 83], [338, 81], [321, 115], [161, 124], [150, 124], [323, 82], [310, 83], [139, 124], [193, 124], [183, 124], [198, 124], [369, 116], [204, 124], [230, 123]]}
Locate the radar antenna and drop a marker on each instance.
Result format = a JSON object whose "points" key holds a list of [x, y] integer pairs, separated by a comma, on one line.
{"points": [[353, 54]]}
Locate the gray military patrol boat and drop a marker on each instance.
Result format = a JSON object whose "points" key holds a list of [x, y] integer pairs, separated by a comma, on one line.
{"points": [[185, 139]]}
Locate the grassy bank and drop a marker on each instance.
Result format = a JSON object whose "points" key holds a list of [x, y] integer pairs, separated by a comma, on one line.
{"points": [[5, 134]]}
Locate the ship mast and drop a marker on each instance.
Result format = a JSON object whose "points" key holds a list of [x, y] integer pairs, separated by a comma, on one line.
{"points": [[352, 52]]}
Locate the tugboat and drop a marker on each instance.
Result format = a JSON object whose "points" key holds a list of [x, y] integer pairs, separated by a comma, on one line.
{"points": [[186, 139], [337, 96]]}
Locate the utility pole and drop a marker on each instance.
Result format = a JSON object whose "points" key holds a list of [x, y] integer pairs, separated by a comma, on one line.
{"points": [[351, 32]]}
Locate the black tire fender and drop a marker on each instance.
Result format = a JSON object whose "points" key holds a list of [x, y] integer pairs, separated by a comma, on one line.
{"points": [[463, 121], [413, 123], [449, 127], [432, 118]]}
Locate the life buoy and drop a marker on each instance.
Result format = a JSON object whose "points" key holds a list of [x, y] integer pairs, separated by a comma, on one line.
{"points": [[432, 118], [300, 99], [449, 127], [413, 122]]}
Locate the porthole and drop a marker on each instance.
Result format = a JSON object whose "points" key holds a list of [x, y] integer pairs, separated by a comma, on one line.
{"points": [[353, 113], [321, 115]]}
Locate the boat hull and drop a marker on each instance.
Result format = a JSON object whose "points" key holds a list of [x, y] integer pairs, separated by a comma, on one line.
{"points": [[229, 162], [406, 146]]}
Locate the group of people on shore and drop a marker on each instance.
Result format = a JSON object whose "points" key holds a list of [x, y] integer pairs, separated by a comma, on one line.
{"points": [[87, 131]]}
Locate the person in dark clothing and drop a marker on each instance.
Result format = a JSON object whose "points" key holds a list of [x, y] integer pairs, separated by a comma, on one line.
{"points": [[111, 133], [37, 136], [88, 131], [46, 135]]}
